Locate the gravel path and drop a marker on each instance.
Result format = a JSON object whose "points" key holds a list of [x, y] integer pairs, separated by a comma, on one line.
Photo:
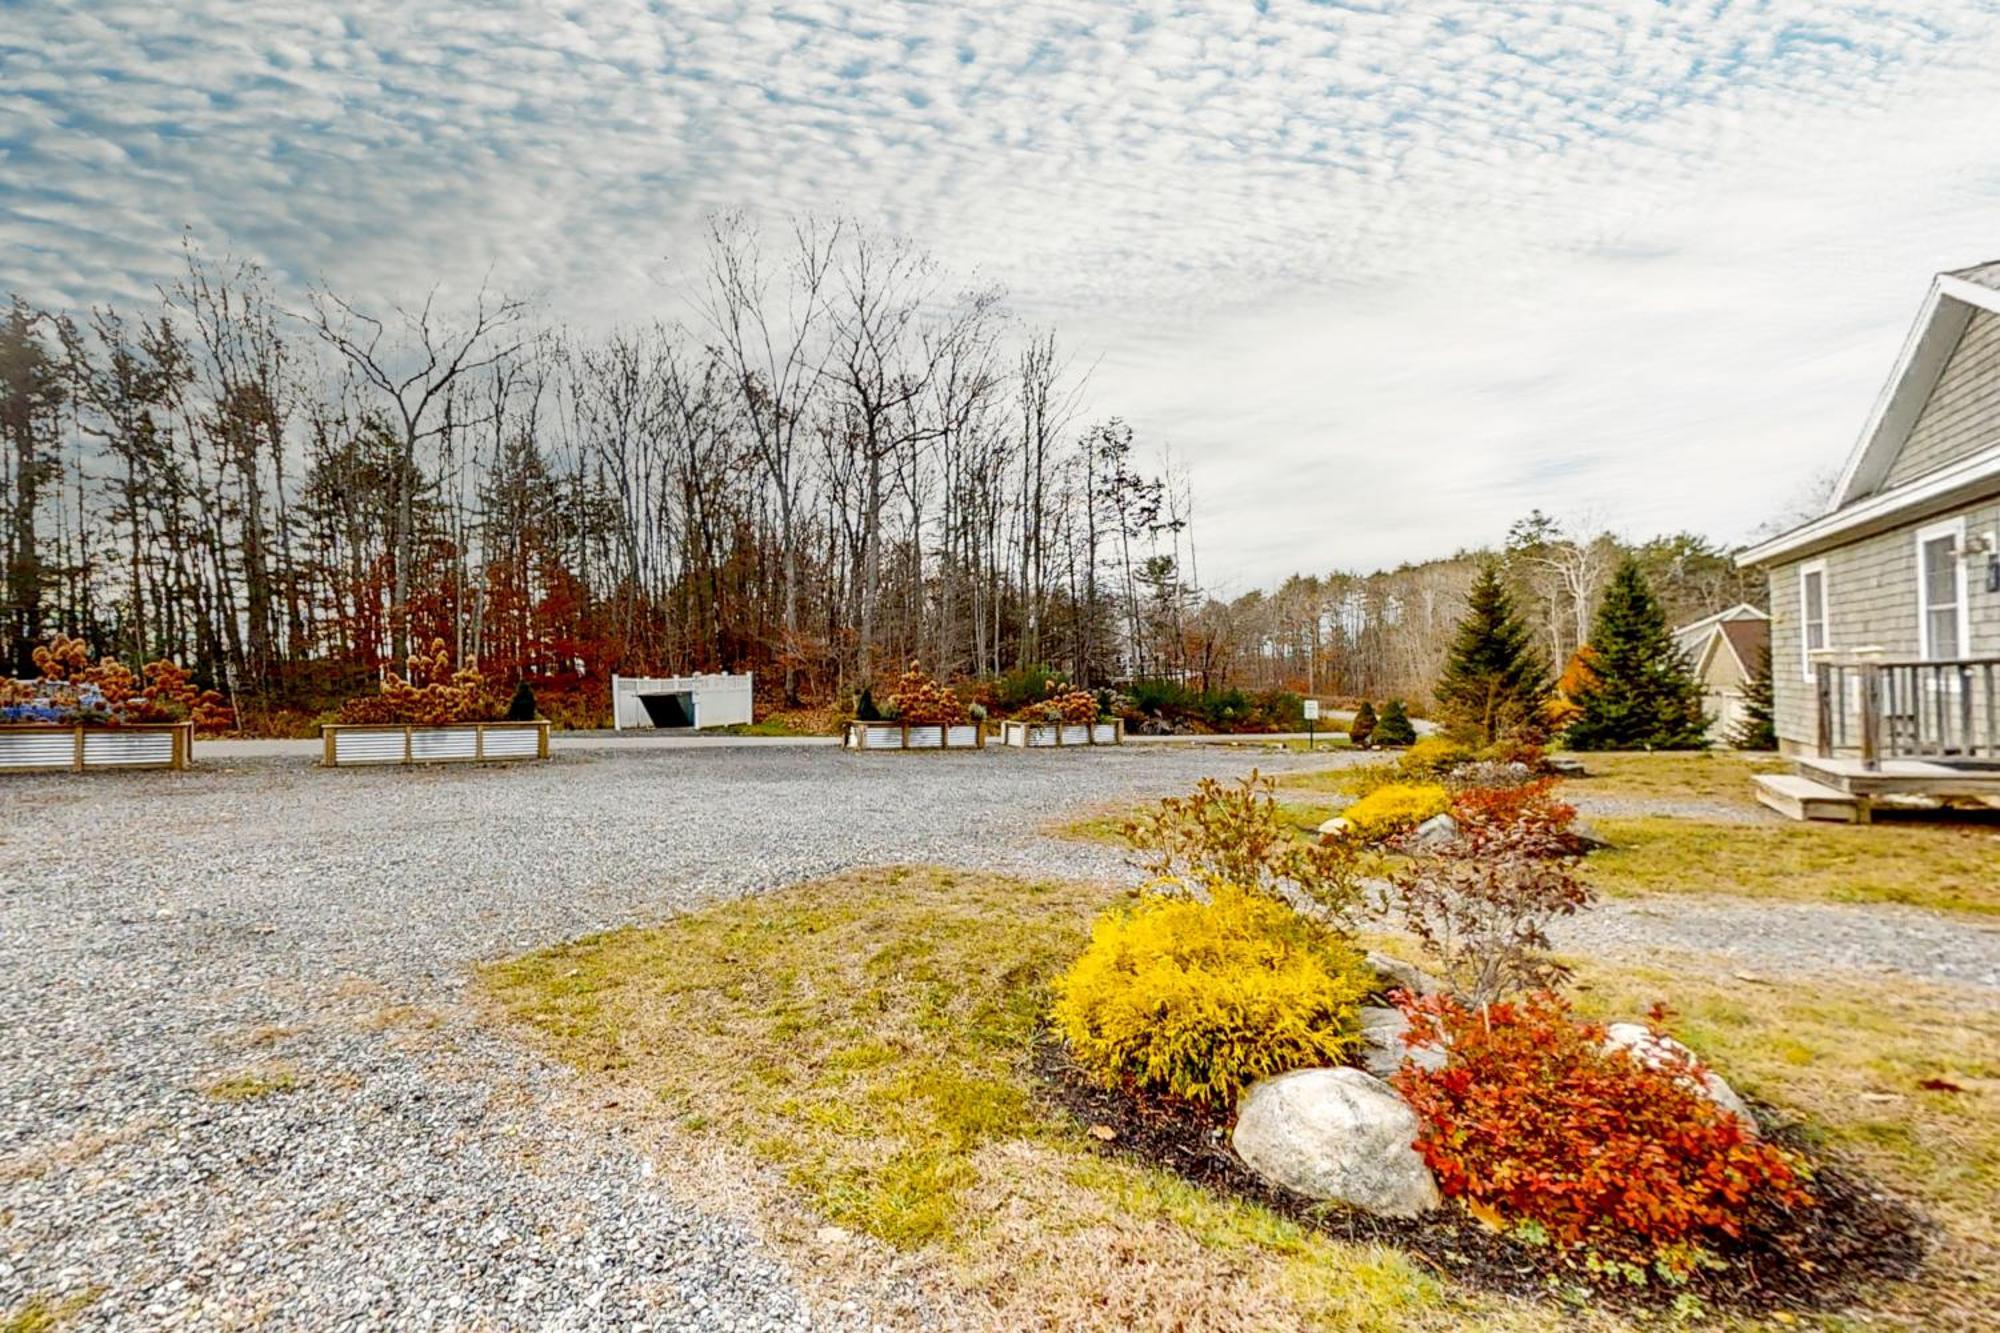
{"points": [[301, 939]]}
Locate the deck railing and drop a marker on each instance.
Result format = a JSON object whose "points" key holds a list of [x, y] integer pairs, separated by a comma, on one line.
{"points": [[1910, 710]]}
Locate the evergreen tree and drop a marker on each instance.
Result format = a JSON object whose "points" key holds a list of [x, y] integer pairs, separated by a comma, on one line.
{"points": [[1493, 678], [522, 707], [1758, 728], [1394, 727], [864, 707], [1362, 728], [1642, 694]]}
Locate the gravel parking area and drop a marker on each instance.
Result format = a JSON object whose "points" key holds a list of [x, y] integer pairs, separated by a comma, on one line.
{"points": [[241, 1083]]}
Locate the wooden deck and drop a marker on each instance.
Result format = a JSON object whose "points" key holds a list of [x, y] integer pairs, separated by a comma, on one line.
{"points": [[1843, 790]]}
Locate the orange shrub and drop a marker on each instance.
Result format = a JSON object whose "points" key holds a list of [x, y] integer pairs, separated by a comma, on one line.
{"points": [[921, 701], [1533, 1118], [432, 694]]}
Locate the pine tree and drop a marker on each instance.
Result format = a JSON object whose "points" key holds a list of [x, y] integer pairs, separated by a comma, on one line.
{"points": [[1642, 693], [1394, 727], [1758, 728], [522, 708], [1493, 678], [1363, 726]]}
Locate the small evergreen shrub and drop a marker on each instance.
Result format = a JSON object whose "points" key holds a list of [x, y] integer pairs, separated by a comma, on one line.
{"points": [[1396, 808], [521, 708], [1362, 729], [865, 709], [1197, 1000], [1393, 727], [1620, 1158]]}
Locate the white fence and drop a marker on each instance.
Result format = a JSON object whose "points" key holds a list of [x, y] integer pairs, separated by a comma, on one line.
{"points": [[681, 701]]}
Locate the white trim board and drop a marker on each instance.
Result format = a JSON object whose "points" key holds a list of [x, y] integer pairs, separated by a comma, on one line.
{"points": [[1806, 650]]}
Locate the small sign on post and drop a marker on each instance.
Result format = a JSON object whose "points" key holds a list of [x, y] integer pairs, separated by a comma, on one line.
{"points": [[1312, 717]]}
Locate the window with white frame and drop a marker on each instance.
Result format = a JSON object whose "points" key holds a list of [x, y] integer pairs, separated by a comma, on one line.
{"points": [[1813, 632], [1941, 606]]}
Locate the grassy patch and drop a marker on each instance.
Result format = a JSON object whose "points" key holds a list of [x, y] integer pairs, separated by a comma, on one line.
{"points": [[869, 1037], [42, 1315], [1924, 866], [1699, 775], [251, 1084]]}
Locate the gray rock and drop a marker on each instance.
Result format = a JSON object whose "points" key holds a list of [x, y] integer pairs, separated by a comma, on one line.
{"points": [[1653, 1050], [1587, 836], [1382, 1048], [1567, 768], [1437, 831], [1336, 1134]]}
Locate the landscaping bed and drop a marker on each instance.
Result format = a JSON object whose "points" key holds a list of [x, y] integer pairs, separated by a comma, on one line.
{"points": [[1857, 1236]]}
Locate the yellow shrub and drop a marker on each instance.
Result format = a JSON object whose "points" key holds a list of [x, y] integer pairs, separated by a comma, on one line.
{"points": [[1392, 809], [1198, 1000], [1433, 757]]}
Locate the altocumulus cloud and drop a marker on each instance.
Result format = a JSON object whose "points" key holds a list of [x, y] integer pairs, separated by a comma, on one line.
{"points": [[1384, 274]]}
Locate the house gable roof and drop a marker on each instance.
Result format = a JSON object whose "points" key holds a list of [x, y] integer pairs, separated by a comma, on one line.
{"points": [[1862, 502]]}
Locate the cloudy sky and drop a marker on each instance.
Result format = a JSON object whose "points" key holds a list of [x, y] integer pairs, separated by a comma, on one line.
{"points": [[1385, 275]]}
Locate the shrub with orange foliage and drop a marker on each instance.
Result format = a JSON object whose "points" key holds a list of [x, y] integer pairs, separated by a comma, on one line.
{"points": [[1071, 707], [1534, 1119], [922, 702], [431, 695], [1531, 808], [72, 688]]}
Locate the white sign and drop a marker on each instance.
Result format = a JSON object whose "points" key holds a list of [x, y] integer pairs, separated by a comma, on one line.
{"points": [[1312, 710]]}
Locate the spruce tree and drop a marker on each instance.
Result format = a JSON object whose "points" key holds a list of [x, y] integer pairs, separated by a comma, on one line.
{"points": [[1642, 693], [522, 707], [1394, 727], [1493, 678], [1363, 726], [1758, 727]]}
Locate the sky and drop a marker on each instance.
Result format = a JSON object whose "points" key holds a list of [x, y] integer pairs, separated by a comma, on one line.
{"points": [[1383, 276]]}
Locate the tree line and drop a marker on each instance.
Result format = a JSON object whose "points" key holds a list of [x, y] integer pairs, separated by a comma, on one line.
{"points": [[844, 458]]}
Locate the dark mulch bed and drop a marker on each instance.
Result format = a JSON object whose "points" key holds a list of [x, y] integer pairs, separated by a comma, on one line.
{"points": [[1858, 1236]]}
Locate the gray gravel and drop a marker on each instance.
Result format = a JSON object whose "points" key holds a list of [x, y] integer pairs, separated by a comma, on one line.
{"points": [[160, 934]]}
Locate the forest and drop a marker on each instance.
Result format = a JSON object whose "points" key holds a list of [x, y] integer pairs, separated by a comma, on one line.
{"points": [[845, 458]]}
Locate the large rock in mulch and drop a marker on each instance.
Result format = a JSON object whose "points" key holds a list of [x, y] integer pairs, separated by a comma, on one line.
{"points": [[1653, 1050], [1336, 1134], [1437, 831], [1382, 1049]]}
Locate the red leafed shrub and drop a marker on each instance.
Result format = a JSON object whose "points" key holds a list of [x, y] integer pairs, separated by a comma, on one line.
{"points": [[1528, 815], [1533, 1119], [921, 701], [431, 695]]}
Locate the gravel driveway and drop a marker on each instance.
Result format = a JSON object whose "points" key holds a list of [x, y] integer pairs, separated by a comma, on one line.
{"points": [[240, 1083]]}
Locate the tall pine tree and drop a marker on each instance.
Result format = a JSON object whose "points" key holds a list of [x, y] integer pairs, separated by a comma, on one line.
{"points": [[1757, 729], [1641, 693], [1494, 679]]}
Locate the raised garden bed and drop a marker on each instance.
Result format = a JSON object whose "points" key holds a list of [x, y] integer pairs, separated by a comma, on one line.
{"points": [[52, 747], [914, 736], [355, 744], [1037, 735]]}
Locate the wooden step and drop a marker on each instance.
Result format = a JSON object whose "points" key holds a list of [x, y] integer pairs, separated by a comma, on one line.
{"points": [[1798, 797]]}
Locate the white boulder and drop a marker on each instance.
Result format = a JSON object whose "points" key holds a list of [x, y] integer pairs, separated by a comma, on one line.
{"points": [[1333, 827], [1336, 1134], [1654, 1050], [1437, 831]]}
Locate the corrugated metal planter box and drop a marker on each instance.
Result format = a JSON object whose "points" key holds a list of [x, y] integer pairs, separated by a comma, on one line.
{"points": [[900, 736], [348, 745], [1035, 735], [51, 747]]}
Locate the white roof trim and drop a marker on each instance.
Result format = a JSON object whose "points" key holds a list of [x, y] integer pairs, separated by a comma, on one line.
{"points": [[1971, 478], [1740, 611], [1940, 323]]}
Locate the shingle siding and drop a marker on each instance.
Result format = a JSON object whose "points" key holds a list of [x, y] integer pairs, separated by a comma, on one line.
{"points": [[1963, 413], [1871, 588]]}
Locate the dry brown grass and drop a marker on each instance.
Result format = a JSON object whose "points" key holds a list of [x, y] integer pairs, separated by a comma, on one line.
{"points": [[1953, 868]]}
